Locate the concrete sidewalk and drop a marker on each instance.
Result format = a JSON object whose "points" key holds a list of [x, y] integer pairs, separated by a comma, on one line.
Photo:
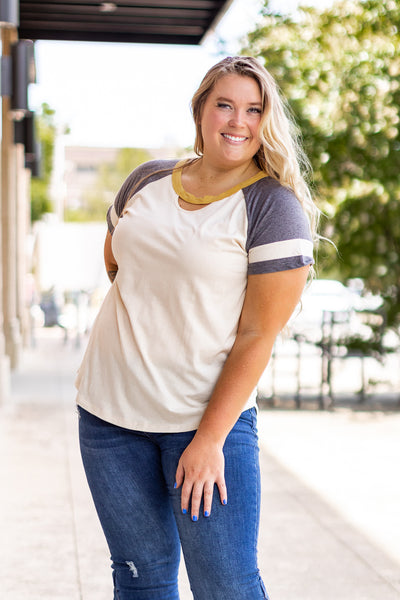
{"points": [[330, 523]]}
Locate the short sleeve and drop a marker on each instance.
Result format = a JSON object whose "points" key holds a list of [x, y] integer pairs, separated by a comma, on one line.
{"points": [[279, 236], [140, 177]]}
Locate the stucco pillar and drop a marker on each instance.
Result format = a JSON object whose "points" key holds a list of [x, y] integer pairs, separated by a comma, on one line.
{"points": [[22, 231], [7, 36], [9, 175]]}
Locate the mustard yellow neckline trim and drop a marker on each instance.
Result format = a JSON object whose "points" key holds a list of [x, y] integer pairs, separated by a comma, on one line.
{"points": [[188, 197]]}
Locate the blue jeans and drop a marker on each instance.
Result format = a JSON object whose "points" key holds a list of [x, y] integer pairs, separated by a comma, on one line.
{"points": [[131, 476]]}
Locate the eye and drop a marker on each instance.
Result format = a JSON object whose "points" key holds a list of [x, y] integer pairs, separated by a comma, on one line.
{"points": [[255, 110], [223, 105]]}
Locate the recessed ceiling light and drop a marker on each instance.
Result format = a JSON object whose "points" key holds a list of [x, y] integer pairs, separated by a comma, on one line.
{"points": [[108, 7]]}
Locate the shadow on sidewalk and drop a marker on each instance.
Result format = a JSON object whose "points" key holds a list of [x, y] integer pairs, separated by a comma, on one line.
{"points": [[382, 402], [309, 552]]}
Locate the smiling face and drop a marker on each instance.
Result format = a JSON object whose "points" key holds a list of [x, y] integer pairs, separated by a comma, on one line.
{"points": [[230, 121]]}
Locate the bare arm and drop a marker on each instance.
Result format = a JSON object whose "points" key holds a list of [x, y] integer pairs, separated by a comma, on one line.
{"points": [[269, 302], [110, 262]]}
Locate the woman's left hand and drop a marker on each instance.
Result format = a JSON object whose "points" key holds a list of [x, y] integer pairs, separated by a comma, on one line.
{"points": [[201, 466]]}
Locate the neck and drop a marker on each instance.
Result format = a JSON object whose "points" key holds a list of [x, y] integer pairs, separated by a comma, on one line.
{"points": [[207, 171]]}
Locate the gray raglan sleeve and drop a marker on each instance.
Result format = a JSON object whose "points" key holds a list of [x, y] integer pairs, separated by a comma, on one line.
{"points": [[142, 175], [279, 236]]}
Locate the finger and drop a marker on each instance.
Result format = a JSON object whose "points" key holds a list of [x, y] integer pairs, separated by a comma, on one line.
{"points": [[208, 497], [179, 475], [223, 493], [197, 493], [185, 496]]}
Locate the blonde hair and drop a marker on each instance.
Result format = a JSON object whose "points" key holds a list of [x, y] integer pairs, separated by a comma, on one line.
{"points": [[280, 154]]}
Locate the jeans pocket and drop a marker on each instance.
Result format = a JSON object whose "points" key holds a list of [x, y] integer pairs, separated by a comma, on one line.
{"points": [[254, 419], [249, 417], [246, 417]]}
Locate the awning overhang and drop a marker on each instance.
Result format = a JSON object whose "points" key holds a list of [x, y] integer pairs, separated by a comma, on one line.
{"points": [[141, 21]]}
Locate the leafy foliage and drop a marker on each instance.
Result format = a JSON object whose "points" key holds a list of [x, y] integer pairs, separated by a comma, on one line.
{"points": [[340, 71], [46, 132]]}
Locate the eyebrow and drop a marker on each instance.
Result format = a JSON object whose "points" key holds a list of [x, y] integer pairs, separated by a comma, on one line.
{"points": [[223, 99]]}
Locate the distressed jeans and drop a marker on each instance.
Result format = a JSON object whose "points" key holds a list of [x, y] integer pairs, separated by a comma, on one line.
{"points": [[131, 476]]}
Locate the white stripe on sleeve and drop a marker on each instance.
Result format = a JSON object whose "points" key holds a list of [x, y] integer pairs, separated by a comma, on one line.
{"points": [[284, 249]]}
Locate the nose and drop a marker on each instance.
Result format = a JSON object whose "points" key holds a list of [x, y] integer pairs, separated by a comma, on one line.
{"points": [[237, 118]]}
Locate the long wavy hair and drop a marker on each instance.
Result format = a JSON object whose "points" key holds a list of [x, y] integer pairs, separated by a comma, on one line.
{"points": [[280, 154]]}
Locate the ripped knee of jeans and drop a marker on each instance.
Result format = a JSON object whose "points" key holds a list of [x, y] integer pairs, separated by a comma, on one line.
{"points": [[132, 568]]}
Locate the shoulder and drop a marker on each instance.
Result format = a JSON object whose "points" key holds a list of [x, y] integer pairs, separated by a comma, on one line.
{"points": [[268, 194], [268, 200], [274, 213], [151, 168], [278, 235], [140, 177]]}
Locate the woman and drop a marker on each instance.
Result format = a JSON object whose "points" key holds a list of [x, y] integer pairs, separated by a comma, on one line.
{"points": [[208, 259]]}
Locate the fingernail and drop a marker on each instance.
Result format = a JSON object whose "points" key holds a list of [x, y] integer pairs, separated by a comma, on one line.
{"points": [[224, 501], [194, 518], [175, 485], [206, 513], [184, 511]]}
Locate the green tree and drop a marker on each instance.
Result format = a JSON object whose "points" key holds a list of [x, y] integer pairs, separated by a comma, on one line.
{"points": [[46, 133], [340, 70], [109, 179]]}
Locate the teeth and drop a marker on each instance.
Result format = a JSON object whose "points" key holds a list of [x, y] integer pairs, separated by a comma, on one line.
{"points": [[234, 138]]}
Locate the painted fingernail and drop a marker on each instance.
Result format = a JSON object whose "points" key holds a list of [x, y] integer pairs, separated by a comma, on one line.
{"points": [[224, 501], [184, 511], [194, 518], [175, 485], [206, 513]]}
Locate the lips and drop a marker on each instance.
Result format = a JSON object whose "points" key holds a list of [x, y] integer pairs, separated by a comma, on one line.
{"points": [[234, 138]]}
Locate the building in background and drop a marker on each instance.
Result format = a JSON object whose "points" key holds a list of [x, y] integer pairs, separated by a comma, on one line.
{"points": [[80, 168]]}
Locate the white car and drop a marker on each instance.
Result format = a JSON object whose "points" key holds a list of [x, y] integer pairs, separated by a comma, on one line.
{"points": [[327, 302]]}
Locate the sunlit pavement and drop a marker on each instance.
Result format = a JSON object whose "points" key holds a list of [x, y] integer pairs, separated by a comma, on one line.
{"points": [[330, 524]]}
